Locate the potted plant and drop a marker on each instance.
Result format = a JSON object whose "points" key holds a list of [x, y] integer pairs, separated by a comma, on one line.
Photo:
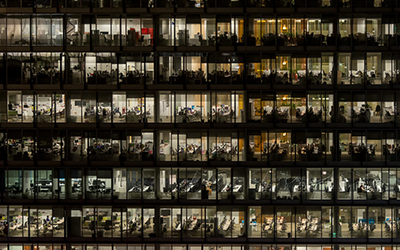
{"points": [[293, 109]]}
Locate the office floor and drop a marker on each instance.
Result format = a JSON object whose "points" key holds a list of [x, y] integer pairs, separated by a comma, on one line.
{"points": [[378, 156], [294, 232], [378, 232]]}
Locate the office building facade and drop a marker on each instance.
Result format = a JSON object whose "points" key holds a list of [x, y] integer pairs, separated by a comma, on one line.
{"points": [[199, 125]]}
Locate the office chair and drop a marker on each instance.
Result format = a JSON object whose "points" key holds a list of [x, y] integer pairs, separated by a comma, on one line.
{"points": [[299, 117], [359, 192], [372, 227], [108, 226], [91, 226], [388, 116]]}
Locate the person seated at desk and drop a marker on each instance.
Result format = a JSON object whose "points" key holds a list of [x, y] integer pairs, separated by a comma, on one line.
{"points": [[132, 227], [373, 74], [371, 148], [363, 148], [387, 78], [226, 74], [47, 220], [134, 111], [282, 78], [89, 112], [116, 111], [5, 228], [378, 110], [275, 148], [265, 112], [363, 189]]}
